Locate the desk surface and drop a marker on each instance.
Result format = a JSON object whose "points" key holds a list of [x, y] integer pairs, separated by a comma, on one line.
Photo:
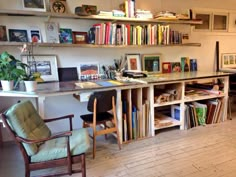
{"points": [[63, 88]]}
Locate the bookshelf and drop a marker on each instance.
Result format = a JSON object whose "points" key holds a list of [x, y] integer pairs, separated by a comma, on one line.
{"points": [[98, 19]]}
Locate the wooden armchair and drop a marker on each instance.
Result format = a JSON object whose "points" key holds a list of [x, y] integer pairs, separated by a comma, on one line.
{"points": [[39, 148]]}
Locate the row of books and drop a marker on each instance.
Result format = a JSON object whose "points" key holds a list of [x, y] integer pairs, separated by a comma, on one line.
{"points": [[136, 124], [200, 114], [126, 34]]}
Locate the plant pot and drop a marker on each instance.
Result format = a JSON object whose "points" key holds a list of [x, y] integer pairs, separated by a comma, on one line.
{"points": [[7, 85], [30, 86]]}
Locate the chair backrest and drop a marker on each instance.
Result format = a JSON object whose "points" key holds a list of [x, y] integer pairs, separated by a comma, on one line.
{"points": [[104, 100], [25, 122]]}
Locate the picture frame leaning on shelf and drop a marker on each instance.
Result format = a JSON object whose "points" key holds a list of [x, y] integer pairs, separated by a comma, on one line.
{"points": [[151, 63], [34, 5]]}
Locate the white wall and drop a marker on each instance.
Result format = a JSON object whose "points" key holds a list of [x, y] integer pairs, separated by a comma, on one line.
{"points": [[56, 106]]}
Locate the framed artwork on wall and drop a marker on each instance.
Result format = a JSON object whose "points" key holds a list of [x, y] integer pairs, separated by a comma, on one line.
{"points": [[228, 61], [35, 5], [44, 64], [151, 63], [18, 35], [133, 62]]}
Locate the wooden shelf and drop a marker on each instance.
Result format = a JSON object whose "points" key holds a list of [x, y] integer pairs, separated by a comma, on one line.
{"points": [[97, 17], [94, 46], [173, 121], [167, 103]]}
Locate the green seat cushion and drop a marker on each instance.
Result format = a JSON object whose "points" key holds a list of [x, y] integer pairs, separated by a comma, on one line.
{"points": [[27, 123], [57, 148]]}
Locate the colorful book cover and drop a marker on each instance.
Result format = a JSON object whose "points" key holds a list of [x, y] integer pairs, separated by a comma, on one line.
{"points": [[175, 67], [66, 35], [185, 64], [193, 64], [166, 67]]}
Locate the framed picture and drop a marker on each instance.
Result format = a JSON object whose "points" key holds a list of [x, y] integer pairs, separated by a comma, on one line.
{"points": [[44, 64], [79, 37], [3, 33], [18, 35], [65, 35], [35, 35], [35, 5], [133, 62], [90, 9], [52, 32], [88, 68], [151, 63], [58, 6], [175, 67], [166, 67], [228, 61]]}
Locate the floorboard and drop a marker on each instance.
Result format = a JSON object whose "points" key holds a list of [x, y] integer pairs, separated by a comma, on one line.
{"points": [[204, 151]]}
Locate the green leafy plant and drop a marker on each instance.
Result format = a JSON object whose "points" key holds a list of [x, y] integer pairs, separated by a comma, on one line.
{"points": [[11, 68]]}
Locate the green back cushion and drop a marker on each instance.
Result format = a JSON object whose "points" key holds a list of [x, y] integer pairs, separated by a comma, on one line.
{"points": [[27, 123]]}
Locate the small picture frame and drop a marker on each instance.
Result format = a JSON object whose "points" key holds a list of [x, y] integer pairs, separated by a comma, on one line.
{"points": [[65, 35], [175, 67], [35, 35], [34, 5], [18, 35], [58, 6], [88, 68], [133, 62], [228, 61], [90, 9], [166, 67], [44, 64], [151, 63], [79, 37], [52, 32], [3, 33]]}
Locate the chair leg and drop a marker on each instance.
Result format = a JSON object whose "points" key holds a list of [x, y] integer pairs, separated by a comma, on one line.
{"points": [[94, 145], [27, 172], [83, 165]]}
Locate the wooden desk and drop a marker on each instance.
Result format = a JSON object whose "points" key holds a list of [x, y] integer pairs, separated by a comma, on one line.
{"points": [[135, 92]]}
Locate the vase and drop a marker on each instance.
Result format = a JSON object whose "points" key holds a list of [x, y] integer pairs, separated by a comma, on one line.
{"points": [[7, 85], [30, 86]]}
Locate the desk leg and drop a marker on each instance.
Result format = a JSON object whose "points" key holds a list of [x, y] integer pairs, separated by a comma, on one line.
{"points": [[119, 112], [40, 106]]}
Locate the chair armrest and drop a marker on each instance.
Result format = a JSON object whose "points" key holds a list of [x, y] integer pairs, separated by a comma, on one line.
{"points": [[59, 135], [70, 116]]}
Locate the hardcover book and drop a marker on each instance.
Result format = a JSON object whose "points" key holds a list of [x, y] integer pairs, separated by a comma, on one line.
{"points": [[193, 64], [185, 64]]}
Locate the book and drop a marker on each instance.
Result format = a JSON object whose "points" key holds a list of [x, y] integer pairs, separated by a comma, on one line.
{"points": [[66, 36], [185, 65], [52, 32], [193, 64], [87, 84]]}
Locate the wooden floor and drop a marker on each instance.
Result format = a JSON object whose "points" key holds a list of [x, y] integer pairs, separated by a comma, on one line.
{"points": [[208, 151]]}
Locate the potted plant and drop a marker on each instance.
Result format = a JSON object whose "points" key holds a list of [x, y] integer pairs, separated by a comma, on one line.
{"points": [[11, 71], [31, 81]]}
